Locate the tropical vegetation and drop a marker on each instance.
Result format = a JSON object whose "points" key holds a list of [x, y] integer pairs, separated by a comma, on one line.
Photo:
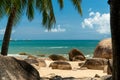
{"points": [[14, 9]]}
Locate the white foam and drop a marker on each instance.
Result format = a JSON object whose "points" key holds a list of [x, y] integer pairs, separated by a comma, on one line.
{"points": [[58, 47]]}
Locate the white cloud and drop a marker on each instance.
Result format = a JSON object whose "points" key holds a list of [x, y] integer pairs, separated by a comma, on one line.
{"points": [[57, 29], [97, 21], [2, 31]]}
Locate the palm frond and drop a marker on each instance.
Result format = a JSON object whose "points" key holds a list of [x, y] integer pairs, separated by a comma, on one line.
{"points": [[77, 5], [45, 18], [2, 8], [60, 2], [30, 10], [41, 5], [18, 15], [52, 19]]}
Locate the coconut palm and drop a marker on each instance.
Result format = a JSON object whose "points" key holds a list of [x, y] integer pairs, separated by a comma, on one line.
{"points": [[115, 32], [15, 8]]}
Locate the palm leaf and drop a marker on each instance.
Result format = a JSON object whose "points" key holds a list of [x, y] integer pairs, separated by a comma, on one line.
{"points": [[2, 11], [60, 2], [30, 10], [77, 5]]}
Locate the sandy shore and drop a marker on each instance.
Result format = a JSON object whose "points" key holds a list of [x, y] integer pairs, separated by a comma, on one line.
{"points": [[75, 72]]}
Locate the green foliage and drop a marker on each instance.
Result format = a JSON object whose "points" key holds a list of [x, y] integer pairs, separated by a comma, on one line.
{"points": [[77, 5], [45, 7], [30, 9], [2, 11], [7, 7]]}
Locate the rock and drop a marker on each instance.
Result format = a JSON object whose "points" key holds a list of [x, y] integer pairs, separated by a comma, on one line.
{"points": [[75, 55], [13, 69], [95, 63], [31, 57], [105, 69], [103, 49], [56, 78], [41, 55], [60, 65], [23, 53], [55, 57], [109, 68], [37, 62], [107, 77], [97, 76], [31, 61]]}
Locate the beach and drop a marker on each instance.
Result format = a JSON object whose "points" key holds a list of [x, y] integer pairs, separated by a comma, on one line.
{"points": [[37, 54], [75, 72], [78, 73]]}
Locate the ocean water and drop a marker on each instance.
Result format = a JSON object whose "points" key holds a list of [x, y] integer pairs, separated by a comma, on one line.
{"points": [[47, 47]]}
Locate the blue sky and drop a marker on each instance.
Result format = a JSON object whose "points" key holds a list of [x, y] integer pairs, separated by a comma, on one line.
{"points": [[94, 24]]}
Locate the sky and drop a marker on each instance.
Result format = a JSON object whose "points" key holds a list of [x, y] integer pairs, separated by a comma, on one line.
{"points": [[92, 25]]}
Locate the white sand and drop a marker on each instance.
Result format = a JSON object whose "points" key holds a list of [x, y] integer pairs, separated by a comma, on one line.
{"points": [[75, 72]]}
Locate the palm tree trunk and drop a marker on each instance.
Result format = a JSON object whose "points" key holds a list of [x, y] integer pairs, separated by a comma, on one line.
{"points": [[6, 39], [115, 32]]}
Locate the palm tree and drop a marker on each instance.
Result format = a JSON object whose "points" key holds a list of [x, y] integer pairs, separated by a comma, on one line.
{"points": [[15, 8], [115, 32]]}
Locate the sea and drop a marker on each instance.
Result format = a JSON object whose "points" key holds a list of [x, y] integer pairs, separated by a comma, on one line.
{"points": [[48, 47]]}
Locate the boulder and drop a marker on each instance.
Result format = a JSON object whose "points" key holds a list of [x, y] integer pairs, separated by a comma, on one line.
{"points": [[55, 57], [95, 63], [60, 65], [103, 49], [75, 55], [37, 62], [13, 69], [31, 61]]}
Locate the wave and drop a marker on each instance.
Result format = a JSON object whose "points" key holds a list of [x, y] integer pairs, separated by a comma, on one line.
{"points": [[60, 47], [88, 56]]}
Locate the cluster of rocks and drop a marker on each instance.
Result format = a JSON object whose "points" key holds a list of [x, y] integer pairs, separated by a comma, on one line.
{"points": [[102, 55], [102, 60]]}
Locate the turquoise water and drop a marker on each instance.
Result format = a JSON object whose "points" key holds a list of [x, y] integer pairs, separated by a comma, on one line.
{"points": [[47, 47]]}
